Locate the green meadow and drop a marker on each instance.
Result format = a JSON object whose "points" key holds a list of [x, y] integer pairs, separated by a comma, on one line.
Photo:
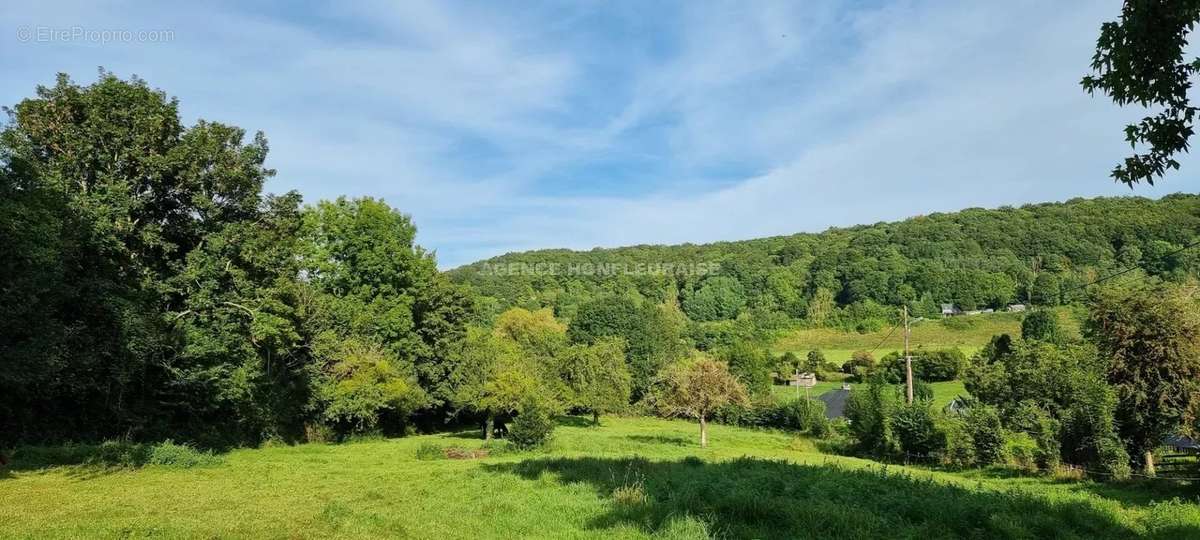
{"points": [[629, 478]]}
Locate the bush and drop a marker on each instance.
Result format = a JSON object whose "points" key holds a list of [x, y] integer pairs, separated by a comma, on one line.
{"points": [[119, 454], [934, 366], [916, 431], [960, 447], [170, 454], [429, 451], [1022, 451], [870, 411], [806, 415], [860, 363], [532, 427], [983, 422], [1114, 460]]}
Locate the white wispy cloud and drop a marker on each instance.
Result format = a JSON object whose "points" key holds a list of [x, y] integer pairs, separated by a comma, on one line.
{"points": [[602, 124]]}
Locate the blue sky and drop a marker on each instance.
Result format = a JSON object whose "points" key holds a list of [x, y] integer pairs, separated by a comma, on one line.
{"points": [[512, 126]]}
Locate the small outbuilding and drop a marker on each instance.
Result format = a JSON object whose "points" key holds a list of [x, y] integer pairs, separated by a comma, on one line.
{"points": [[950, 309], [1014, 308]]}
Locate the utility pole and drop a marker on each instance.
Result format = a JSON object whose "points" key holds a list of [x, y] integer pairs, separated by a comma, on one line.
{"points": [[907, 361]]}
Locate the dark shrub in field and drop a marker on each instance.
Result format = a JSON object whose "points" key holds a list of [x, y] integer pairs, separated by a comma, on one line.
{"points": [[532, 428], [429, 451], [916, 431], [983, 422], [113, 454]]}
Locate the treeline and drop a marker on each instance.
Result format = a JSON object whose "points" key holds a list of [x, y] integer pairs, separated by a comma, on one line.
{"points": [[857, 277], [149, 288], [1105, 401]]}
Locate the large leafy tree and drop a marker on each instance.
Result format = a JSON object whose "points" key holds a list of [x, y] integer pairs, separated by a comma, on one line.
{"points": [[372, 283], [598, 377], [652, 333], [1140, 60], [492, 378], [1150, 335], [122, 196]]}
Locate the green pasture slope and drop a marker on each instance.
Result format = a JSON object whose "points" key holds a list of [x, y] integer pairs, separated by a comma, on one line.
{"points": [[968, 333], [943, 392], [630, 478]]}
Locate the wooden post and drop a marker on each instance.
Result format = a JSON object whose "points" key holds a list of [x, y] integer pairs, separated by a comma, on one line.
{"points": [[907, 361]]}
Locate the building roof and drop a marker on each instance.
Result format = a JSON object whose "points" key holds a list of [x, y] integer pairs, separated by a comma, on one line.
{"points": [[835, 403], [1182, 441]]}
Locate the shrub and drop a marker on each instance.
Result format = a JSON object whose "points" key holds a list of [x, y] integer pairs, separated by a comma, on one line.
{"points": [[1022, 451], [170, 454], [429, 451], [983, 422], [870, 412], [960, 447], [1113, 459], [119, 454], [915, 430], [860, 363], [803, 415], [318, 433], [532, 427]]}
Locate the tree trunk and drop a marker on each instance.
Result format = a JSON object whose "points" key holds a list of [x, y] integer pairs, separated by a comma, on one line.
{"points": [[703, 432], [1149, 463], [489, 426], [595, 418]]}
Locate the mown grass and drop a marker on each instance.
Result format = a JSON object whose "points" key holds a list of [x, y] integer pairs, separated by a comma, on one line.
{"points": [[630, 478]]}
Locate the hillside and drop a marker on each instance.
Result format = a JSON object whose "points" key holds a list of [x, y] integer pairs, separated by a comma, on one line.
{"points": [[975, 258]]}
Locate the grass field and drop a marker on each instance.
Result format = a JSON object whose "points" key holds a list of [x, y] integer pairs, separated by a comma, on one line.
{"points": [[967, 333], [631, 478], [943, 392]]}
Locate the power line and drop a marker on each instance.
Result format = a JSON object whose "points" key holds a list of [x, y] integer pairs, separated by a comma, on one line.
{"points": [[1131, 268], [885, 338]]}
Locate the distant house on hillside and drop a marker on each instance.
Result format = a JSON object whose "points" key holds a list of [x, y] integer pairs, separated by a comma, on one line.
{"points": [[1013, 308], [950, 309], [1182, 443]]}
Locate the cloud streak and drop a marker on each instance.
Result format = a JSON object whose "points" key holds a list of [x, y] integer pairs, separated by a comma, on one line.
{"points": [[580, 125]]}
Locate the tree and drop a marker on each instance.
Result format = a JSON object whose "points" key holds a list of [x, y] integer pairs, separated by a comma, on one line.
{"points": [[652, 333], [696, 388], [1140, 60], [492, 378], [718, 298], [598, 377], [1041, 325], [815, 361], [1046, 290], [362, 382], [1150, 336], [111, 199], [750, 364]]}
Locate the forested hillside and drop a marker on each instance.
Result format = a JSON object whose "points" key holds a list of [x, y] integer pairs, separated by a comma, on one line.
{"points": [[976, 258]]}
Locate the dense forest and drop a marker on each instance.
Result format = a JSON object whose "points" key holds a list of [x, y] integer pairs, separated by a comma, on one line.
{"points": [[856, 277]]}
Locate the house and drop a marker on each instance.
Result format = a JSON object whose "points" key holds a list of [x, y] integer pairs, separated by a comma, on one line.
{"points": [[807, 380], [1014, 308], [1182, 443], [950, 309]]}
